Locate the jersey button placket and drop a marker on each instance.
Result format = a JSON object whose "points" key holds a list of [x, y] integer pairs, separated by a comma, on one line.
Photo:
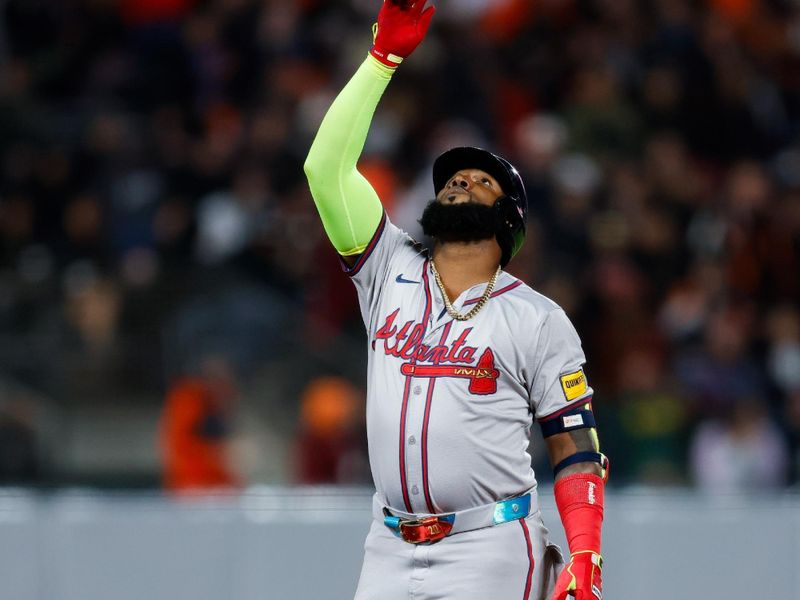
{"points": [[414, 420], [436, 337], [416, 411]]}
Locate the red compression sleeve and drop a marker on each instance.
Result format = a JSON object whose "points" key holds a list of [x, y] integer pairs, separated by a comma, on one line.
{"points": [[579, 498]]}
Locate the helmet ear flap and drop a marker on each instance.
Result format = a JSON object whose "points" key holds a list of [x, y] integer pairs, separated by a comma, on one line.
{"points": [[510, 227]]}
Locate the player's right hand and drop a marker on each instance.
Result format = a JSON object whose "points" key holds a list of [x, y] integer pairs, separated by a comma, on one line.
{"points": [[401, 26], [581, 578]]}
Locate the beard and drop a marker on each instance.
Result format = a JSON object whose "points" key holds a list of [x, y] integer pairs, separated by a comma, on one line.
{"points": [[465, 222]]}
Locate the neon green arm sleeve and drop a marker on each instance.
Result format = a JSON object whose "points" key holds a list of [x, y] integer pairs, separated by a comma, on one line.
{"points": [[348, 205]]}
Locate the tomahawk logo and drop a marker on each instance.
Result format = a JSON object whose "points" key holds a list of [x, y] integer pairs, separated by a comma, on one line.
{"points": [[482, 377]]}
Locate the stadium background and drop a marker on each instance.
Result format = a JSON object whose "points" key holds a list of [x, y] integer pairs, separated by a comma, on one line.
{"points": [[158, 243]]}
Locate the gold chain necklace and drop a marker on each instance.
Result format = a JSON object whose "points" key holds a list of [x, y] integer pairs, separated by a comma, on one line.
{"points": [[475, 309]]}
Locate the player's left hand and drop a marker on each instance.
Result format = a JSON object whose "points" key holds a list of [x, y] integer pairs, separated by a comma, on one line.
{"points": [[581, 578]]}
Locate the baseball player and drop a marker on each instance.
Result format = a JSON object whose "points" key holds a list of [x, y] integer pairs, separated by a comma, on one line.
{"points": [[462, 358]]}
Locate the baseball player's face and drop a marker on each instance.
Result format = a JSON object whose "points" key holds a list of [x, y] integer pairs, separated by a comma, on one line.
{"points": [[463, 210], [470, 185]]}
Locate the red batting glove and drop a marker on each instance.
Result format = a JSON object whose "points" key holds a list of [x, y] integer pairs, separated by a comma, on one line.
{"points": [[581, 578], [401, 26]]}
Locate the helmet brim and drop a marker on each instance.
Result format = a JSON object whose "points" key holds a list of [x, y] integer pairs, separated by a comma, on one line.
{"points": [[452, 161]]}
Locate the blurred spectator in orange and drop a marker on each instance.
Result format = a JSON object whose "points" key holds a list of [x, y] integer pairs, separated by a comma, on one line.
{"points": [[330, 443], [505, 19], [195, 429]]}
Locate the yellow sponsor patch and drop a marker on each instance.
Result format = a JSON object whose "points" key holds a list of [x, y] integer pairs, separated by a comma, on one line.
{"points": [[574, 384]]}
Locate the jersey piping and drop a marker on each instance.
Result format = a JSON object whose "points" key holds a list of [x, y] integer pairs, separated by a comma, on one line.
{"points": [[531, 562], [567, 408], [426, 419], [407, 387], [496, 293], [353, 271]]}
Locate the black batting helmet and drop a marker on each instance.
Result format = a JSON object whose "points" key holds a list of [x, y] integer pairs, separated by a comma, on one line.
{"points": [[511, 209]]}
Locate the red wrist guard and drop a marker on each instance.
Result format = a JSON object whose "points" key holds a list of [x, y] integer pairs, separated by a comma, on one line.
{"points": [[579, 498], [387, 58]]}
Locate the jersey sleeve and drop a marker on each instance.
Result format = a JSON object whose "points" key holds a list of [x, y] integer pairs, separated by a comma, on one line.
{"points": [[389, 250], [558, 380]]}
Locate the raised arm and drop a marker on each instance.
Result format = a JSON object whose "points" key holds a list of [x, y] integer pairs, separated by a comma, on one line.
{"points": [[348, 205]]}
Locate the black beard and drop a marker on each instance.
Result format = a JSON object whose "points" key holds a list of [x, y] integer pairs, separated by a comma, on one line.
{"points": [[464, 222]]}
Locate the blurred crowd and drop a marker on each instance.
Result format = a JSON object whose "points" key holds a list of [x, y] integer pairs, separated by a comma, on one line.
{"points": [[153, 209]]}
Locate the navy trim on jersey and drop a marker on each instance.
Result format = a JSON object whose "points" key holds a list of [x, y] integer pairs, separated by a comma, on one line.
{"points": [[404, 410], [362, 258], [531, 561], [508, 288], [569, 407], [431, 384]]}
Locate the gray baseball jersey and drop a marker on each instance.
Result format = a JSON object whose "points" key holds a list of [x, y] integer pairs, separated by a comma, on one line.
{"points": [[450, 403]]}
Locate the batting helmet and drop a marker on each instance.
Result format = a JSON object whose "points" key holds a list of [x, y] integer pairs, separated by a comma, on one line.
{"points": [[511, 209]]}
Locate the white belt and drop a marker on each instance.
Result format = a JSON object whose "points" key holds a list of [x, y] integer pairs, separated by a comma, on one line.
{"points": [[477, 517]]}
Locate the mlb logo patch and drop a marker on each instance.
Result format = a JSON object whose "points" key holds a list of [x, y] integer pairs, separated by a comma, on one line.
{"points": [[574, 384]]}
